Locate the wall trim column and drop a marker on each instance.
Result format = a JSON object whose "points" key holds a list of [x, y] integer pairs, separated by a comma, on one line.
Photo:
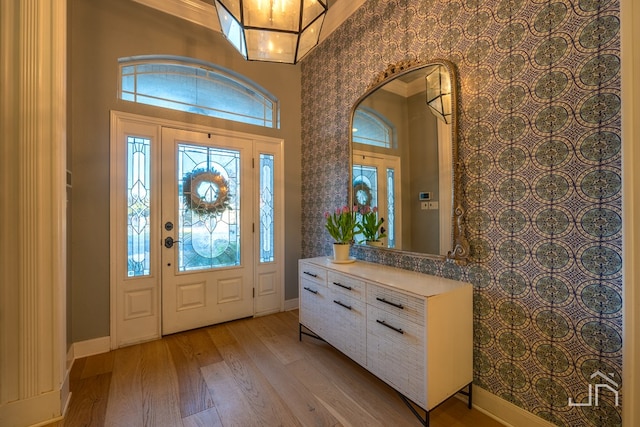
{"points": [[33, 248], [630, 53]]}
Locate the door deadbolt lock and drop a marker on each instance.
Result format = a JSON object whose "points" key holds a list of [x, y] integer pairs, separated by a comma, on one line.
{"points": [[168, 226]]}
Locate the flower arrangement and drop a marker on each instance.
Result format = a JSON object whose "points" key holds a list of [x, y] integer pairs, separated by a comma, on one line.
{"points": [[370, 226], [341, 224]]}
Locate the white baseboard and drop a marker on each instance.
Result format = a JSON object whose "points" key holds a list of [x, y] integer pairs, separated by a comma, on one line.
{"points": [[36, 411], [291, 304], [90, 347], [503, 411], [65, 388]]}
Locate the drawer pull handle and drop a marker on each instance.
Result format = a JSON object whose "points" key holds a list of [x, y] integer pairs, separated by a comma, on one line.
{"points": [[400, 306], [342, 286], [310, 274], [311, 290], [342, 304], [383, 323]]}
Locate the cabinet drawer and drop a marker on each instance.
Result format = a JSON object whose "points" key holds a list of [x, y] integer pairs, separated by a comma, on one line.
{"points": [[313, 301], [396, 353], [313, 273], [403, 305], [347, 331], [347, 285]]}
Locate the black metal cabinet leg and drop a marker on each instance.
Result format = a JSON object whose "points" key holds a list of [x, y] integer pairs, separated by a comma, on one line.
{"points": [[424, 421]]}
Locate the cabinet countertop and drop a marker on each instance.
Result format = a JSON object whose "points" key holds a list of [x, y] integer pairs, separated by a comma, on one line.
{"points": [[420, 284]]}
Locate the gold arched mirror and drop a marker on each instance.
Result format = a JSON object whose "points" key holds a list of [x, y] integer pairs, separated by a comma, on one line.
{"points": [[405, 176]]}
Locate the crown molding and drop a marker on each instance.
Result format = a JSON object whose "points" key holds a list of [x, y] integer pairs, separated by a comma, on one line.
{"points": [[339, 12], [194, 11]]}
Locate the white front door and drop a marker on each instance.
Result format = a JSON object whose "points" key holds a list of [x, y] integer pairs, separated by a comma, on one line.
{"points": [[376, 183], [207, 255], [197, 228]]}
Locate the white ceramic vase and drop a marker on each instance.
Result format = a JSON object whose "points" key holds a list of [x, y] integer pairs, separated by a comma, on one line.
{"points": [[341, 252]]}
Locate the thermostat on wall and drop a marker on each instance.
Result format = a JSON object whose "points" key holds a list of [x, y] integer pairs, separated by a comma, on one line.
{"points": [[424, 195]]}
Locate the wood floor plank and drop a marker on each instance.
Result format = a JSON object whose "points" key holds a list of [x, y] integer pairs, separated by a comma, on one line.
{"points": [[202, 347], [124, 407], [232, 406], [277, 343], [88, 405], [160, 401], [76, 371], [376, 397], [97, 364], [307, 409], [286, 350], [262, 397], [193, 391], [340, 404], [455, 413], [206, 418], [270, 326]]}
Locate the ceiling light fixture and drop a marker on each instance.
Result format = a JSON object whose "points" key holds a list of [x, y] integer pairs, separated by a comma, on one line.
{"points": [[272, 30], [439, 93]]}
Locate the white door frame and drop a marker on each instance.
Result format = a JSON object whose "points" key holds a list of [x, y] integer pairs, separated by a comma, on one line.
{"points": [[382, 162], [144, 303]]}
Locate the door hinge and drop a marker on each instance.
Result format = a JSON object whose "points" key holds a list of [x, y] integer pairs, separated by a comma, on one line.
{"points": [[254, 292], [253, 163], [253, 227]]}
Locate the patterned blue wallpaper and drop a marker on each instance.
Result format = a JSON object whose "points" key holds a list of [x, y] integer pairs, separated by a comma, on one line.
{"points": [[540, 142]]}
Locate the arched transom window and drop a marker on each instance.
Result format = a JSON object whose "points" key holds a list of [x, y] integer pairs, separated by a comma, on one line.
{"points": [[371, 128], [193, 86]]}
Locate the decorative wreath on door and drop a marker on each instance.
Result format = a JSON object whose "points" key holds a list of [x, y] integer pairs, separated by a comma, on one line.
{"points": [[199, 203], [362, 196]]}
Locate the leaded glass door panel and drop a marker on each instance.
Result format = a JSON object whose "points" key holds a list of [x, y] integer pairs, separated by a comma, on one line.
{"points": [[207, 257], [209, 190], [375, 185]]}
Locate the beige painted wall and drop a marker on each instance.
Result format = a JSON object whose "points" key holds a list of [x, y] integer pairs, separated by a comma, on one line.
{"points": [[423, 161], [100, 32]]}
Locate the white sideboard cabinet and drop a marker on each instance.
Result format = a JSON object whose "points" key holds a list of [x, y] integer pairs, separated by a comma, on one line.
{"points": [[413, 331]]}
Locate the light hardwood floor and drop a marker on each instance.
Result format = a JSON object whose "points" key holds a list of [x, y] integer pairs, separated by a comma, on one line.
{"points": [[250, 372]]}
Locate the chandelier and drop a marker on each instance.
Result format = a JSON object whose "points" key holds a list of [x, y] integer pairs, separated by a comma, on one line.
{"points": [[272, 30], [439, 92]]}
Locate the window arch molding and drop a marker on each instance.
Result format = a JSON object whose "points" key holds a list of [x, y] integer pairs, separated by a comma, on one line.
{"points": [[372, 128], [198, 87]]}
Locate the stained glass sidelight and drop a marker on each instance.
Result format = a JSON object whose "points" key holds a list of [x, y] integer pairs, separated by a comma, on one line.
{"points": [[209, 207], [266, 208], [391, 208], [138, 206]]}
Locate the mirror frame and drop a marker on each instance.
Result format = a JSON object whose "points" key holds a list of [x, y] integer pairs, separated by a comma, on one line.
{"points": [[460, 246]]}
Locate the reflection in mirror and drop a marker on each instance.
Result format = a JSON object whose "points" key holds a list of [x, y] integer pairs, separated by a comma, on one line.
{"points": [[403, 138]]}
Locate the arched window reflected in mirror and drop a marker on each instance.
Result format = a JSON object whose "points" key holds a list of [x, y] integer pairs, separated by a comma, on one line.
{"points": [[371, 128]]}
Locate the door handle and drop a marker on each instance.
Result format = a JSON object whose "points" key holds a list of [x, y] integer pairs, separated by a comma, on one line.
{"points": [[168, 242]]}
